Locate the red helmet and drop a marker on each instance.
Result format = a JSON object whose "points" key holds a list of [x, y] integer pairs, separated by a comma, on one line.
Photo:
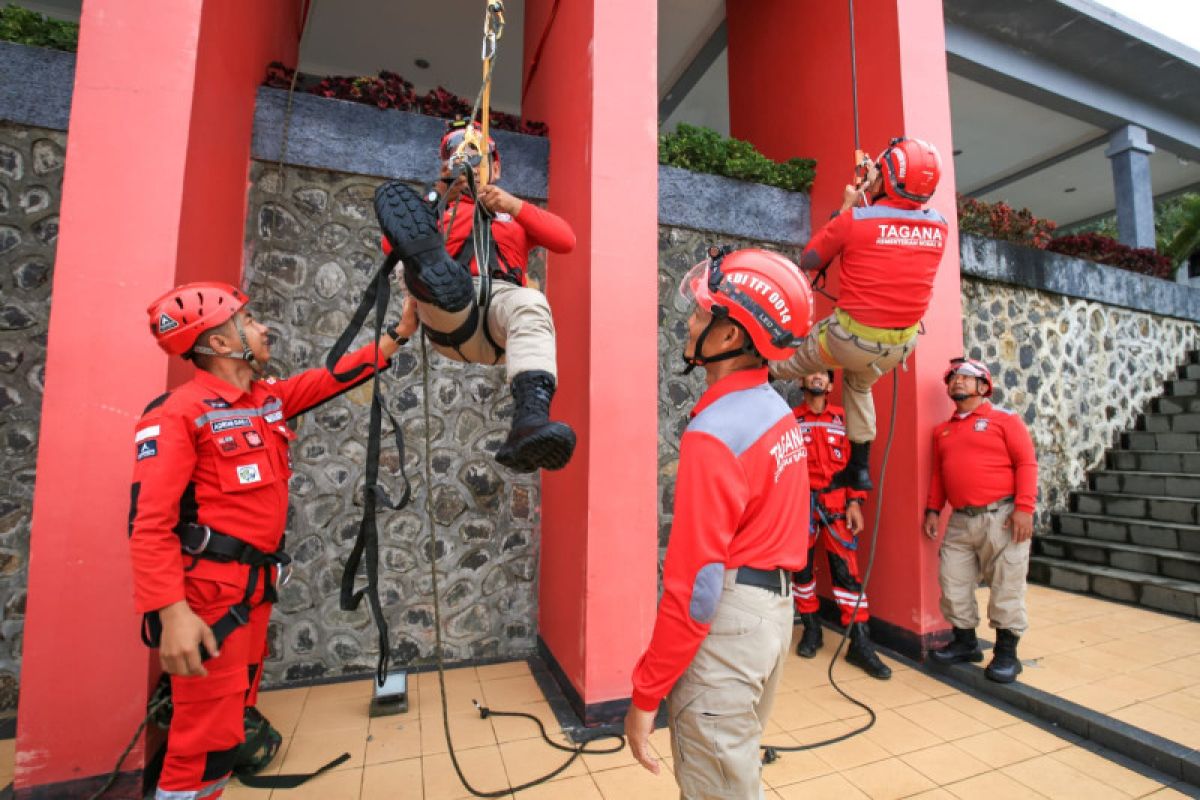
{"points": [[971, 368], [762, 291], [911, 169], [454, 137], [179, 317]]}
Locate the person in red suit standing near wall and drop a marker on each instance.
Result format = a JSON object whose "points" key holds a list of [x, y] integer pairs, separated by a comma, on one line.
{"points": [[985, 466], [836, 519]]}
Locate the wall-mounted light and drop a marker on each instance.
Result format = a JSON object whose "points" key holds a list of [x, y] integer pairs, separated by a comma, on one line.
{"points": [[958, 152], [1068, 190], [422, 63]]}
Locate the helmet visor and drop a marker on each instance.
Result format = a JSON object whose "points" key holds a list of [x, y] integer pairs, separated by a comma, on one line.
{"points": [[967, 368], [693, 289]]}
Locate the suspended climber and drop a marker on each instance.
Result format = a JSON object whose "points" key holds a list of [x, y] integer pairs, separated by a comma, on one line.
{"points": [[514, 324], [890, 247], [836, 519], [208, 508]]}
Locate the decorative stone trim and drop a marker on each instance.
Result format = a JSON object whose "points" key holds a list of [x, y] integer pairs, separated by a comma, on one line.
{"points": [[716, 204], [1077, 278], [36, 85]]}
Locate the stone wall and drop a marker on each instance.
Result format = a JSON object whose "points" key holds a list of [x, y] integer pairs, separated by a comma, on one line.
{"points": [[31, 170], [1078, 371], [312, 244]]}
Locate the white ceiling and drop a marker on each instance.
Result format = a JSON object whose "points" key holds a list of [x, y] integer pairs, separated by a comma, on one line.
{"points": [[998, 134]]}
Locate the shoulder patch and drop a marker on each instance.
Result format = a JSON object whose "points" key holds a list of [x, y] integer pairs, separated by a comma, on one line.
{"points": [[156, 402]]}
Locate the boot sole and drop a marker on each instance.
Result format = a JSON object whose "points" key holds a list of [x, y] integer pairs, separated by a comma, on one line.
{"points": [[991, 676], [432, 275], [550, 447], [973, 658]]}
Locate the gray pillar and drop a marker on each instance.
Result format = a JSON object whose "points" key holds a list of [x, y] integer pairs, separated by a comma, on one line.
{"points": [[1130, 155]]}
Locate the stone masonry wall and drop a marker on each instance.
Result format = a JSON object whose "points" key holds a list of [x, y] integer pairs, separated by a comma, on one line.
{"points": [[31, 170], [312, 244], [1078, 372]]}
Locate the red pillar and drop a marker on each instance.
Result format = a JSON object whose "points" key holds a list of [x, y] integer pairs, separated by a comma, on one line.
{"points": [[790, 94], [594, 85], [154, 194]]}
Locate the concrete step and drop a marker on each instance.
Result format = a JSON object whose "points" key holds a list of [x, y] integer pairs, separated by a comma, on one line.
{"points": [[1174, 441], [1167, 484], [1177, 462], [1190, 371], [1151, 591], [1169, 423], [1176, 405], [1138, 506], [1131, 557], [1182, 387], [1170, 536]]}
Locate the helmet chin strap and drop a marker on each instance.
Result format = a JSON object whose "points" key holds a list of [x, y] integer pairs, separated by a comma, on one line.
{"points": [[246, 355], [697, 360]]}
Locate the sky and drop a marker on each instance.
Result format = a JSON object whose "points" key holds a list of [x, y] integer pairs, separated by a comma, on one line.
{"points": [[1178, 19]]}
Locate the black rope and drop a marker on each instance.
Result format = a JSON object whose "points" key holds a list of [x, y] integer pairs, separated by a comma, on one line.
{"points": [[771, 752]]}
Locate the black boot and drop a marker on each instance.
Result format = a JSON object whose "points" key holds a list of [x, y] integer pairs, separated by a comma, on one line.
{"points": [[963, 647], [857, 472], [862, 653], [534, 441], [1005, 666], [410, 225], [812, 639]]}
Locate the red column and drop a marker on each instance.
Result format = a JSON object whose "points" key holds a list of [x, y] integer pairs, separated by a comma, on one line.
{"points": [[790, 94], [594, 85], [154, 194]]}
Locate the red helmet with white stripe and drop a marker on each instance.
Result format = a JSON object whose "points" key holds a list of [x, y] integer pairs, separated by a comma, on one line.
{"points": [[971, 368], [911, 169]]}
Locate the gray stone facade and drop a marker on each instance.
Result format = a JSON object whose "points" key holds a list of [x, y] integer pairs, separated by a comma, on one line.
{"points": [[31, 171], [312, 244], [1079, 372]]}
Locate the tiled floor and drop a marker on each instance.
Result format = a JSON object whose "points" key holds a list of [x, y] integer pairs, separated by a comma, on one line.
{"points": [[931, 741], [1132, 664]]}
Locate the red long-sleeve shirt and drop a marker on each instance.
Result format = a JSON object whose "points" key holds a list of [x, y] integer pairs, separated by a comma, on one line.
{"points": [[212, 454], [741, 499], [890, 253], [981, 457], [514, 236], [828, 451]]}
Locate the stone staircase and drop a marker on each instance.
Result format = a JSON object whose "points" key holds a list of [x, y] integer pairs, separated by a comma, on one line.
{"points": [[1134, 535]]}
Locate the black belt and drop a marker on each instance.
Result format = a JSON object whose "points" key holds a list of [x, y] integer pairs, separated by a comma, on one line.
{"points": [[776, 580], [975, 511]]}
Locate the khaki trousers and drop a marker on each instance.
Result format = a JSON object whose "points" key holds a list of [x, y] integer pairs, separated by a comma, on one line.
{"points": [[720, 705], [519, 320], [981, 546], [862, 362]]}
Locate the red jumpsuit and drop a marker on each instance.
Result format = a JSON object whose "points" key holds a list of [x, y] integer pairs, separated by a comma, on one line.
{"points": [[828, 451], [211, 454]]}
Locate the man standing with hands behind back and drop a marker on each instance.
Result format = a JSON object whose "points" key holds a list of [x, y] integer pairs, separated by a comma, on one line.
{"points": [[985, 466]]}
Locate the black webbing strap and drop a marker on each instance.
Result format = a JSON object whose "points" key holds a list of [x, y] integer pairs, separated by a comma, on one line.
{"points": [[457, 336], [366, 542], [288, 781]]}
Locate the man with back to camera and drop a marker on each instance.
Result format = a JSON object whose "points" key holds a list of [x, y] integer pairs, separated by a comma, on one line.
{"points": [[724, 623], [984, 464]]}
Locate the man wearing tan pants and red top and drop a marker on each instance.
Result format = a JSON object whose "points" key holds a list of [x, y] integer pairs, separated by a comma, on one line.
{"points": [[724, 625], [985, 466]]}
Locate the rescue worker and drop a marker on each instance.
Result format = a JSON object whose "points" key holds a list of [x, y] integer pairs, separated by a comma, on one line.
{"points": [[208, 508], [836, 519], [516, 326], [724, 623], [985, 466], [890, 248]]}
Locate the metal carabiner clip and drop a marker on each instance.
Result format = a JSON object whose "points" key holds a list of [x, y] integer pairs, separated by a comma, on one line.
{"points": [[203, 544]]}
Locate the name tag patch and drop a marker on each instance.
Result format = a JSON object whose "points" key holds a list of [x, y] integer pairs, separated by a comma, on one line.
{"points": [[147, 449], [230, 424], [248, 473]]}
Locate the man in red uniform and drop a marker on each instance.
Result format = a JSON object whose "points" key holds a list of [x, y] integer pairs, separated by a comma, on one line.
{"points": [[835, 517], [515, 324], [724, 622], [890, 249], [208, 508], [985, 466]]}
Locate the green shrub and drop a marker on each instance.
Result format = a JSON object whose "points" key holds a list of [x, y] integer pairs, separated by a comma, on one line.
{"points": [[23, 26], [704, 150]]}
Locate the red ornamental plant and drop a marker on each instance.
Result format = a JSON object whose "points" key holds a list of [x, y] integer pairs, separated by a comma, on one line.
{"points": [[1002, 221], [389, 90], [1107, 250]]}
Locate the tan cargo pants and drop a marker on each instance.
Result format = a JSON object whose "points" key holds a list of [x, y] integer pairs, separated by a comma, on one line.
{"points": [[720, 705], [519, 320], [863, 354], [982, 546]]}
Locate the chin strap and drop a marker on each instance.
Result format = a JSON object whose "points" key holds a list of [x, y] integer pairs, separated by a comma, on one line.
{"points": [[697, 360], [246, 355]]}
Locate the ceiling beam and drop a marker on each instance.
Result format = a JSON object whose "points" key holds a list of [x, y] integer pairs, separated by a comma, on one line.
{"points": [[690, 75], [1033, 169]]}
